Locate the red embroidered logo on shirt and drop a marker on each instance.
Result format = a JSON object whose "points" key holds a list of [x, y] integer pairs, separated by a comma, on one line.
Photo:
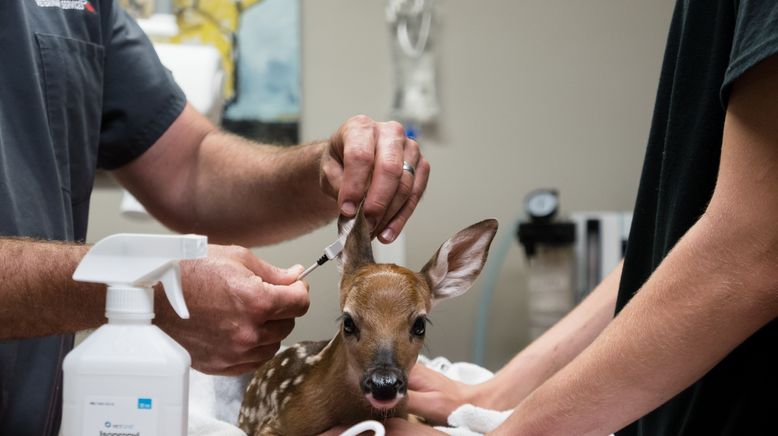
{"points": [[78, 5]]}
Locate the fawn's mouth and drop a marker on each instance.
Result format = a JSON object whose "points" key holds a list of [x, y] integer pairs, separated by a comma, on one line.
{"points": [[384, 387], [384, 404]]}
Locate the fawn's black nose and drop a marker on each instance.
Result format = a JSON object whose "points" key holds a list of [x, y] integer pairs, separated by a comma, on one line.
{"points": [[384, 384]]}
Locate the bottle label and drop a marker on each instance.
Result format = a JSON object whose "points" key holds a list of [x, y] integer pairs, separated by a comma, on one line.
{"points": [[120, 416]]}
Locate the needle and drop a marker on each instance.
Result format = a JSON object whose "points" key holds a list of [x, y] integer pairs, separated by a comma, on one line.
{"points": [[332, 251]]}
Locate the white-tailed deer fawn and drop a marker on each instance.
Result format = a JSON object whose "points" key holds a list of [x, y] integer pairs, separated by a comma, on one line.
{"points": [[362, 372]]}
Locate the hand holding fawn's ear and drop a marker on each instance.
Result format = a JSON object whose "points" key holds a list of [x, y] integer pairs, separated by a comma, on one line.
{"points": [[365, 159]]}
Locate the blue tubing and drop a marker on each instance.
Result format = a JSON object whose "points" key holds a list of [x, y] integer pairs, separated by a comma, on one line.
{"points": [[491, 274]]}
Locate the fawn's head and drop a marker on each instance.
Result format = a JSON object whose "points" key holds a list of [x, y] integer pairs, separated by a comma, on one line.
{"points": [[384, 306]]}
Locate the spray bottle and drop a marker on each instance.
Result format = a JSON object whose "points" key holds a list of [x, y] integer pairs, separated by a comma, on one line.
{"points": [[129, 378]]}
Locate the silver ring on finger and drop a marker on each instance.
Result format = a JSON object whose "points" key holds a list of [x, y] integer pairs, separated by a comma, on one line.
{"points": [[408, 167]]}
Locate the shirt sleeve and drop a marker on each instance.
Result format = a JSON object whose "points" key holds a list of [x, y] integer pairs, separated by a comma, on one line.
{"points": [[755, 39], [140, 98]]}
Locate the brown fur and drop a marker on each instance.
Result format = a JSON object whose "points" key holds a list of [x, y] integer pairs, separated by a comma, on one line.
{"points": [[314, 386]]}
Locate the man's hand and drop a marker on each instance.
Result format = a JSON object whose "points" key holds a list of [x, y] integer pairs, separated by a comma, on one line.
{"points": [[400, 427], [434, 396], [364, 159], [394, 427], [240, 309]]}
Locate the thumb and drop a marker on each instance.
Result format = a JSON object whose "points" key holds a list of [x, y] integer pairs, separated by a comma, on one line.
{"points": [[273, 274], [423, 378], [429, 405]]}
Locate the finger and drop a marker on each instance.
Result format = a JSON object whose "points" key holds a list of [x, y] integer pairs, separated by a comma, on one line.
{"points": [[331, 174], [420, 376], [411, 155], [403, 427], [357, 145], [249, 336], [240, 369], [252, 361], [398, 222], [387, 172], [282, 302], [335, 431], [262, 353], [275, 331], [429, 406], [271, 273]]}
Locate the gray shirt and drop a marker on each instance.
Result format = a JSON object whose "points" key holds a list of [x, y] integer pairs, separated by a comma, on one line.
{"points": [[80, 88]]}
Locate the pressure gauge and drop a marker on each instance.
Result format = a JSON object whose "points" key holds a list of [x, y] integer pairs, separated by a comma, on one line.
{"points": [[542, 204]]}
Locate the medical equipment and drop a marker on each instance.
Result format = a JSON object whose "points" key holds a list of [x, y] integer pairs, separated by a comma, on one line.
{"points": [[566, 260], [600, 244], [548, 245], [130, 377], [415, 100]]}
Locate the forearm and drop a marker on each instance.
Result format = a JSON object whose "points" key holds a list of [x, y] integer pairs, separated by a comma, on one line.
{"points": [[240, 189], [554, 349], [38, 294], [197, 179], [667, 337]]}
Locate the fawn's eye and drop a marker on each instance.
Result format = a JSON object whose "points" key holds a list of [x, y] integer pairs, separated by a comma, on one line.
{"points": [[349, 327], [419, 327]]}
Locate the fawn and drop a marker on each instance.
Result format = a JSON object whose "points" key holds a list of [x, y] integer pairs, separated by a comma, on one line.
{"points": [[362, 372]]}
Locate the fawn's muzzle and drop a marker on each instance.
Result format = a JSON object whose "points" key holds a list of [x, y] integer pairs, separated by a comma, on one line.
{"points": [[384, 384]]}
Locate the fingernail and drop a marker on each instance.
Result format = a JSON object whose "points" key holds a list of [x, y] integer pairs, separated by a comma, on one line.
{"points": [[348, 208], [295, 269], [387, 235]]}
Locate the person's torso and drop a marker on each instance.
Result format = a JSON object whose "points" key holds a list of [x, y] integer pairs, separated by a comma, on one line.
{"points": [[51, 83], [679, 176]]}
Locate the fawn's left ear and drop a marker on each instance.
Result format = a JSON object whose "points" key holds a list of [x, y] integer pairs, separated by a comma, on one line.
{"points": [[454, 267], [357, 251]]}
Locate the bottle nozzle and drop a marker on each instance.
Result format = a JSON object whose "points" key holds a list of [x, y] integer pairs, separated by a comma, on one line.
{"points": [[141, 261], [171, 281]]}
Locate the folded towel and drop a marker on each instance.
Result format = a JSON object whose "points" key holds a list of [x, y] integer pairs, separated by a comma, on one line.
{"points": [[468, 419], [209, 416]]}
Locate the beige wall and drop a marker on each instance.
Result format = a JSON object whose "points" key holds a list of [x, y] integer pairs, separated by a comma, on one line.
{"points": [[541, 93]]}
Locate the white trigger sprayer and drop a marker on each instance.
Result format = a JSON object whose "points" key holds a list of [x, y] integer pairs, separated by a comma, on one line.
{"points": [[129, 375], [130, 264]]}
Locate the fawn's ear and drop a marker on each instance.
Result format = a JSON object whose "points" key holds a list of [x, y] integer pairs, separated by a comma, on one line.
{"points": [[457, 263], [357, 250]]}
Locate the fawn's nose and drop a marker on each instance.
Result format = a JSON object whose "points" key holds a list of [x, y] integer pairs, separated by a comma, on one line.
{"points": [[384, 384]]}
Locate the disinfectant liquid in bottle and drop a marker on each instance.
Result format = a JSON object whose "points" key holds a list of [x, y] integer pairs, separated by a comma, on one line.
{"points": [[129, 378]]}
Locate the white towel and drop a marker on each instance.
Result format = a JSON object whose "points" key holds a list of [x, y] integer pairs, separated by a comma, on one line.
{"points": [[468, 420], [464, 372], [214, 404]]}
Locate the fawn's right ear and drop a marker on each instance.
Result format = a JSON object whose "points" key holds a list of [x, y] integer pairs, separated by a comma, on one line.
{"points": [[457, 263], [358, 251]]}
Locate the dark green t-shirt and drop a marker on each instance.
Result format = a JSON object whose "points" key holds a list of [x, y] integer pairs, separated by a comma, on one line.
{"points": [[711, 43], [80, 87]]}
